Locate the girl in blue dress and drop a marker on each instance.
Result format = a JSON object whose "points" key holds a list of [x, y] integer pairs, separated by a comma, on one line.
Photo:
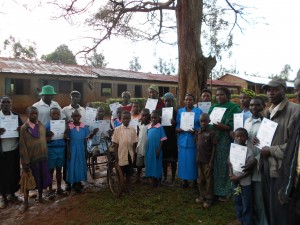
{"points": [[76, 164], [155, 137], [187, 167]]}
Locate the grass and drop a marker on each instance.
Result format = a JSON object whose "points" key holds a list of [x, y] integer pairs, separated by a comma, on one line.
{"points": [[154, 206]]}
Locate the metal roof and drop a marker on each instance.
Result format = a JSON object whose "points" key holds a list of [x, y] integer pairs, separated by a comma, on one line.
{"points": [[258, 80], [23, 66]]}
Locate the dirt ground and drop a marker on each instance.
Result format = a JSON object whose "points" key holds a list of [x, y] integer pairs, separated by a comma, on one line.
{"points": [[53, 211]]}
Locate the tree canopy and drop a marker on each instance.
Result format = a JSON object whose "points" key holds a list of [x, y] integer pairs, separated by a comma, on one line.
{"points": [[97, 60], [194, 21], [17, 49], [134, 64], [62, 54]]}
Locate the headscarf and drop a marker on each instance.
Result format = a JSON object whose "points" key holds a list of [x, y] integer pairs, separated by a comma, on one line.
{"points": [[169, 95], [154, 88], [248, 92]]}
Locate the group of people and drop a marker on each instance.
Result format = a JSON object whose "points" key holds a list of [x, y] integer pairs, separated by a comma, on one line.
{"points": [[200, 154]]}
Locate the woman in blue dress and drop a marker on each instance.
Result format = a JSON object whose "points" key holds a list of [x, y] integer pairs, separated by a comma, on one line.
{"points": [[155, 137], [76, 163], [187, 168]]}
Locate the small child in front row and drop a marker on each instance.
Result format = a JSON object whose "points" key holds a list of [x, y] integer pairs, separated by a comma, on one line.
{"points": [[33, 154], [142, 143], [205, 140], [77, 134], [155, 137], [242, 183], [124, 138], [118, 121], [56, 153]]}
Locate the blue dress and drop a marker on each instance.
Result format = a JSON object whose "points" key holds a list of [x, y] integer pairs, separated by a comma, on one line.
{"points": [[155, 135], [76, 165], [187, 167]]}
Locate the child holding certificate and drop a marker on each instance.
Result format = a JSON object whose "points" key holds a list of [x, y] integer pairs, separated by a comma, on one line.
{"points": [[56, 153], [76, 162], [205, 139], [155, 137], [242, 183], [33, 154], [141, 145]]}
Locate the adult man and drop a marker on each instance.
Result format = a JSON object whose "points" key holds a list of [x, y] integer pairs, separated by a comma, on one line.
{"points": [[289, 193], [286, 114], [46, 103], [68, 110], [205, 95]]}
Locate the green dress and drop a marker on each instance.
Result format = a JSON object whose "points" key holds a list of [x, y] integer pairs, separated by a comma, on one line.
{"points": [[222, 185]]}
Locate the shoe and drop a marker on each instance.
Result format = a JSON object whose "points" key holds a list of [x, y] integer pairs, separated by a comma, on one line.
{"points": [[68, 188], [60, 191], [199, 200], [23, 208], [207, 204], [13, 199], [51, 195], [3, 204], [172, 184], [184, 185]]}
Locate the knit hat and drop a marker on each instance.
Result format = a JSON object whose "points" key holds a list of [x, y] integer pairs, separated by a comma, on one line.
{"points": [[168, 95], [48, 90], [154, 88]]}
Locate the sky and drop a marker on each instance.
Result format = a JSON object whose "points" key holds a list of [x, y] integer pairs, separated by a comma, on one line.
{"points": [[263, 48]]}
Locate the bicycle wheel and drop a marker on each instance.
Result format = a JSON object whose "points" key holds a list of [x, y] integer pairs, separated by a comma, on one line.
{"points": [[115, 179]]}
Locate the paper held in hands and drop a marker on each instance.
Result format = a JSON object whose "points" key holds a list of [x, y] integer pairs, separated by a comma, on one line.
{"points": [[187, 121], [167, 116], [204, 106], [237, 157], [58, 128], [10, 124], [217, 115], [151, 104], [266, 132], [238, 121]]}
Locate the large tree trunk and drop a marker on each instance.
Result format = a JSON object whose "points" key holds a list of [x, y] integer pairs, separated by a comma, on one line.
{"points": [[194, 68]]}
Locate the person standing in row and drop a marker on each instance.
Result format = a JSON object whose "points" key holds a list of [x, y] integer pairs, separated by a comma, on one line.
{"points": [[9, 158], [187, 168], [153, 93], [46, 103], [222, 184], [75, 97]]}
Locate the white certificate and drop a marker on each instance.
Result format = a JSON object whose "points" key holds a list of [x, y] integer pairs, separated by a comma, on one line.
{"points": [[134, 123], [237, 157], [238, 121], [216, 115], [151, 104], [104, 127], [113, 108], [266, 132], [204, 106], [187, 121], [10, 124], [58, 127], [90, 115], [167, 116]]}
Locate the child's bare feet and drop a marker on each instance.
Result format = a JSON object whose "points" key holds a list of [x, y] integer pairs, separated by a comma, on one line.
{"points": [[23, 208]]}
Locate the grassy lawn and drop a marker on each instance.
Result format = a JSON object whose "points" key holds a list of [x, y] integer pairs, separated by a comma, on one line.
{"points": [[165, 205]]}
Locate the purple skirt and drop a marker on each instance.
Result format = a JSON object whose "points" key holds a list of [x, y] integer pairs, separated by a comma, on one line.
{"points": [[41, 174]]}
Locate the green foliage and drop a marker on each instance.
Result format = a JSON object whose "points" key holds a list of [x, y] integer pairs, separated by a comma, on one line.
{"points": [[62, 54], [164, 67], [97, 60], [134, 64], [19, 50]]}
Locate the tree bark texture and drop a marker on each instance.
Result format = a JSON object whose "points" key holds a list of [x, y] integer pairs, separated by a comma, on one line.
{"points": [[194, 68]]}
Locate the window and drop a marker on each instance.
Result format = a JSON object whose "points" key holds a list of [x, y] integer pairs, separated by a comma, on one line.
{"points": [[17, 86], [64, 86], [121, 89], [49, 82], [137, 91], [106, 89], [163, 90]]}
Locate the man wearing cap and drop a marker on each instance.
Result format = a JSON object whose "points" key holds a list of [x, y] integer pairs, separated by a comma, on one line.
{"points": [[68, 110], [46, 103], [289, 193], [286, 115]]}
